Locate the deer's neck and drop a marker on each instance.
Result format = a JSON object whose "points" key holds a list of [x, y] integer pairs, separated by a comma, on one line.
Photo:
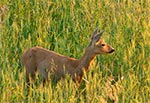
{"points": [[84, 62]]}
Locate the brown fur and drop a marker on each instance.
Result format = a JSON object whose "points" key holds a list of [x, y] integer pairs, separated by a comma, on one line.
{"points": [[46, 61]]}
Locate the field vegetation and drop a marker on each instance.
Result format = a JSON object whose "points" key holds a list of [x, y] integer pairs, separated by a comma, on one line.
{"points": [[65, 26]]}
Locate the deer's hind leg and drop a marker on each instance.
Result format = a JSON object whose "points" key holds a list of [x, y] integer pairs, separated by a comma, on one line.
{"points": [[43, 72], [30, 71]]}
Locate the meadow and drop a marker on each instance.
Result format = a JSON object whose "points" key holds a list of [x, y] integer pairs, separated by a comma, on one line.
{"points": [[65, 26]]}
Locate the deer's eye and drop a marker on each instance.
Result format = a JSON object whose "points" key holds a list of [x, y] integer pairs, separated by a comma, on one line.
{"points": [[103, 44]]}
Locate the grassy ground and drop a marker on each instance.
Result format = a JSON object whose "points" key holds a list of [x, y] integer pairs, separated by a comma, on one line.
{"points": [[65, 26]]}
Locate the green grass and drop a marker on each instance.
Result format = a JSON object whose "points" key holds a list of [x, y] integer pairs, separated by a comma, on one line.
{"points": [[65, 26]]}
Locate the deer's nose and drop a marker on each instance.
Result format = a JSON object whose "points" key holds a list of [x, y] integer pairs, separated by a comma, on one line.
{"points": [[112, 50]]}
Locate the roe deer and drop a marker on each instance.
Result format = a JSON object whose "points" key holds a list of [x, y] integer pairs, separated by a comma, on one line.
{"points": [[46, 61]]}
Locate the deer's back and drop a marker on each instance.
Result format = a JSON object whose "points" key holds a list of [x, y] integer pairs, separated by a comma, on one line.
{"points": [[48, 59]]}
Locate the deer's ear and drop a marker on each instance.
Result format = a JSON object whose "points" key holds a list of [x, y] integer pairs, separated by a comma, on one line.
{"points": [[98, 36], [94, 33], [95, 36]]}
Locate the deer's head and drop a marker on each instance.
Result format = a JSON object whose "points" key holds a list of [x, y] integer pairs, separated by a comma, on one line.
{"points": [[98, 45]]}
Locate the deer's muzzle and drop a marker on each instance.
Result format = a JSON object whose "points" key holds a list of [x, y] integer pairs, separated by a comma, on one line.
{"points": [[111, 51]]}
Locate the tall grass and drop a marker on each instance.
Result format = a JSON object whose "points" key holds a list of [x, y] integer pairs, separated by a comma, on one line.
{"points": [[65, 26]]}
